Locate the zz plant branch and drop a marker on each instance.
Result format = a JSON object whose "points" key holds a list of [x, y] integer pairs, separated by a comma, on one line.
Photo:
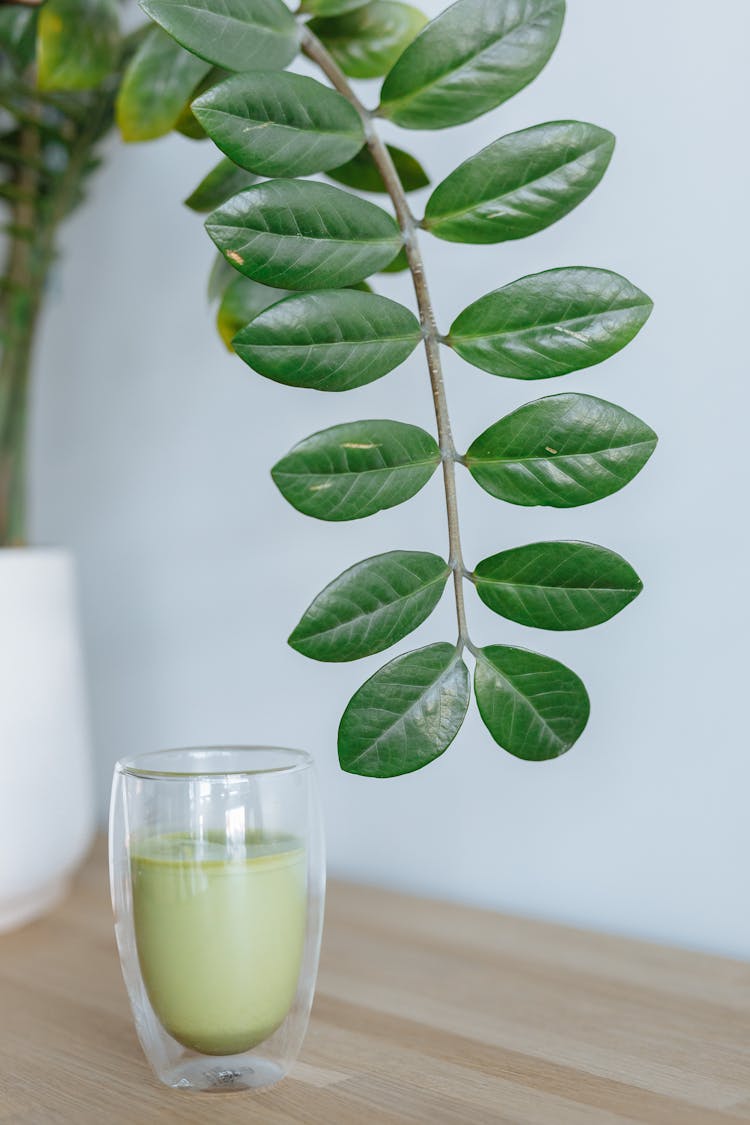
{"points": [[299, 311], [316, 51]]}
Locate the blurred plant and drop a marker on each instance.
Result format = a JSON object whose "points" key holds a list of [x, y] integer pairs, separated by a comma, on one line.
{"points": [[58, 72], [288, 233], [61, 66]]}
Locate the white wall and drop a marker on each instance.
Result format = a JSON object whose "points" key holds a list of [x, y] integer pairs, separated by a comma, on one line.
{"points": [[151, 454]]}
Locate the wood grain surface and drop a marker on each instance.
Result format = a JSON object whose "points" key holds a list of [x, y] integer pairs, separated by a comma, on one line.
{"points": [[425, 1012]]}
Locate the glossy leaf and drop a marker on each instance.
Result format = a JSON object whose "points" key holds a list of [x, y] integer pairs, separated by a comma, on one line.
{"points": [[550, 323], [366, 42], [330, 7], [329, 341], [533, 706], [236, 34], [361, 172], [156, 86], [77, 43], [473, 57], [406, 715], [221, 183], [559, 585], [242, 300], [356, 469], [278, 124], [371, 606], [520, 184], [561, 452], [298, 234]]}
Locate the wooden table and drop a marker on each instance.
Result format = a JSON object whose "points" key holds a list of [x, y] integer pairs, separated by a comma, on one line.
{"points": [[424, 1013]]}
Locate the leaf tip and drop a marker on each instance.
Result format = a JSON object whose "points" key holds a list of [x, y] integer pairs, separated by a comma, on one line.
{"points": [[293, 640]]}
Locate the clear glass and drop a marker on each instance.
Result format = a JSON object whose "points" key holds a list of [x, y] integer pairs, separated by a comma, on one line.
{"points": [[217, 875]]}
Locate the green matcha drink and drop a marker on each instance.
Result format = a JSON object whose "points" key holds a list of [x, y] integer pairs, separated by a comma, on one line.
{"points": [[219, 939]]}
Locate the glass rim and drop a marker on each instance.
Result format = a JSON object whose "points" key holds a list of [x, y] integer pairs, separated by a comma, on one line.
{"points": [[135, 766]]}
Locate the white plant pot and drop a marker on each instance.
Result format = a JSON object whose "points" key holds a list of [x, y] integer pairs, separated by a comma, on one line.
{"points": [[46, 792]]}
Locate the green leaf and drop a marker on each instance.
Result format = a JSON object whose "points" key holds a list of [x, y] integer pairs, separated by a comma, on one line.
{"points": [[520, 184], [366, 42], [242, 300], [533, 706], [561, 452], [560, 585], [189, 126], [550, 323], [330, 7], [473, 57], [156, 87], [405, 715], [329, 341], [236, 34], [221, 183], [298, 234], [399, 264], [354, 470], [371, 606], [279, 124], [362, 173], [18, 28], [77, 43]]}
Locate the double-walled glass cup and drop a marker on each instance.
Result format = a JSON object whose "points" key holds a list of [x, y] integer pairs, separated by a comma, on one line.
{"points": [[217, 875]]}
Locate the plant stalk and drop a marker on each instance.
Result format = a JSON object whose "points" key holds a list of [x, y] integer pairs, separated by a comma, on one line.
{"points": [[24, 278], [39, 202], [317, 53]]}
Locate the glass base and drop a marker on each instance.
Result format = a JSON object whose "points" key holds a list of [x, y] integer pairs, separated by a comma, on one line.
{"points": [[223, 1074]]}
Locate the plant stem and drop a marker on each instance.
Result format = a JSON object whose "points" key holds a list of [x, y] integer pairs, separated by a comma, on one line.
{"points": [[316, 51], [21, 309], [39, 203]]}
